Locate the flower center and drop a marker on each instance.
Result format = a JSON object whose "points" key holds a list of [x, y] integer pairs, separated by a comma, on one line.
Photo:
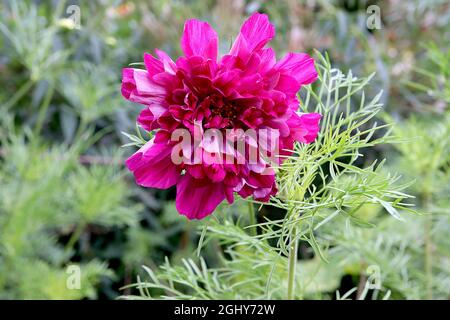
{"points": [[226, 111]]}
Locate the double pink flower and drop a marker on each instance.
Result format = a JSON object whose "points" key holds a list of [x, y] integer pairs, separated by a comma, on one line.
{"points": [[245, 89]]}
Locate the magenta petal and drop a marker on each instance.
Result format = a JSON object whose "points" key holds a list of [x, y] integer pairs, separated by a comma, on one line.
{"points": [[169, 65], [144, 84], [282, 126], [153, 65], [215, 172], [153, 167], [245, 191], [229, 193], [135, 161], [261, 193], [304, 127], [261, 180], [310, 121], [239, 49], [128, 83], [198, 198], [257, 31], [268, 60], [300, 66], [138, 87], [196, 171], [199, 39], [146, 119], [287, 84]]}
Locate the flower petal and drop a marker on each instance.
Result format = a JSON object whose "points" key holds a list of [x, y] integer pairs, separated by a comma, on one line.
{"points": [[257, 30], [138, 87], [255, 33], [153, 65], [304, 127], [199, 39], [146, 119], [198, 198], [298, 65], [152, 166], [169, 65]]}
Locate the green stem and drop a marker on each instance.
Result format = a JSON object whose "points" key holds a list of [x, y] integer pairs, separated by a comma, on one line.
{"points": [[75, 236], [293, 248], [80, 130], [252, 218], [18, 95], [428, 247], [43, 109]]}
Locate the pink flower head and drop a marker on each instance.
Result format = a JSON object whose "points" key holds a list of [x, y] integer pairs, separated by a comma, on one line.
{"points": [[245, 89]]}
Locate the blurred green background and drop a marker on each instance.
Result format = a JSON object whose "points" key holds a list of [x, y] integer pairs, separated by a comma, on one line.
{"points": [[65, 197]]}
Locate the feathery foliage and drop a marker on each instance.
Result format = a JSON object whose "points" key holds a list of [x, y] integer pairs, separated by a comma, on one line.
{"points": [[320, 184]]}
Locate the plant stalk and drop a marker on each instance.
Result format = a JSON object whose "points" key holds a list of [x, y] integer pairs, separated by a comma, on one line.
{"points": [[428, 247], [293, 248], [75, 236], [18, 95], [43, 109], [252, 218]]}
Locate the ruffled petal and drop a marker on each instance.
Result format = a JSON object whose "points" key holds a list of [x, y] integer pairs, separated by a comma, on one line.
{"points": [[198, 198], [152, 166], [304, 127], [146, 120], [153, 65], [128, 83], [169, 65], [255, 33], [199, 39], [138, 87], [299, 66]]}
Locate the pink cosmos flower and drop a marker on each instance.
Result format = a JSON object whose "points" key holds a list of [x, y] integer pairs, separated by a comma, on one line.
{"points": [[245, 89]]}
